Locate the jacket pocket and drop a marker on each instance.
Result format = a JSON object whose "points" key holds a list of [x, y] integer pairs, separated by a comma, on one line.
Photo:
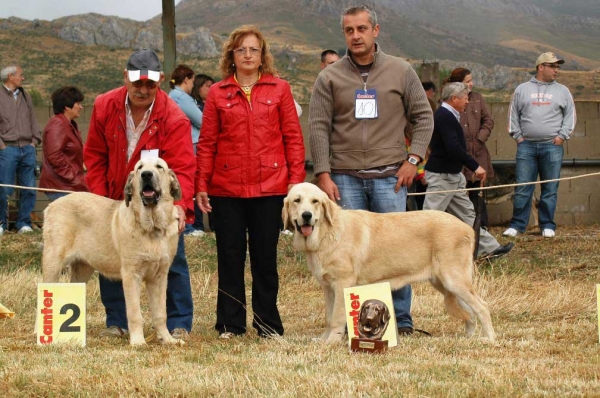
{"points": [[274, 175], [226, 179], [269, 107]]}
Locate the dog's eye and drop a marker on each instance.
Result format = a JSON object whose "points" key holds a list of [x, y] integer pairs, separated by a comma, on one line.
{"points": [[158, 166], [140, 167], [315, 201], [297, 200]]}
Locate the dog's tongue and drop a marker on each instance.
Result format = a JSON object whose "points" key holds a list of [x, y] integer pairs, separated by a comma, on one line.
{"points": [[148, 193], [306, 230]]}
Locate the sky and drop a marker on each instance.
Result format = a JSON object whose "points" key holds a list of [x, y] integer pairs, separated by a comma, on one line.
{"points": [[139, 10]]}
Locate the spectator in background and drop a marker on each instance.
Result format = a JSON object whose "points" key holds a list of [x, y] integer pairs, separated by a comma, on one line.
{"points": [[477, 123], [328, 57], [542, 118], [182, 86], [202, 84], [251, 152], [19, 135], [62, 144], [443, 169], [430, 92]]}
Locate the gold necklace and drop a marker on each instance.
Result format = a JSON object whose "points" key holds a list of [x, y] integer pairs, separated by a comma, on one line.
{"points": [[248, 89]]}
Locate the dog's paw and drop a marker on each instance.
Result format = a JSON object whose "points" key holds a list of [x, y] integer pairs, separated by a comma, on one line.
{"points": [[172, 341], [137, 342]]}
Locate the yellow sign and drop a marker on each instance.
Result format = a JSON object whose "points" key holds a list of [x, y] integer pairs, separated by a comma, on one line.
{"points": [[61, 314], [598, 300]]}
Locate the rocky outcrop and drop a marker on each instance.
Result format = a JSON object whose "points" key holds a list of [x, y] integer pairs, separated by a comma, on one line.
{"points": [[95, 29]]}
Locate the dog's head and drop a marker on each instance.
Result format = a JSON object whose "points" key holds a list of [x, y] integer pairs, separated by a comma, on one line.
{"points": [[373, 319], [151, 180], [305, 207]]}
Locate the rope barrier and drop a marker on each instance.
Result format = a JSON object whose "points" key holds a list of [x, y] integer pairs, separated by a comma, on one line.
{"points": [[410, 194]]}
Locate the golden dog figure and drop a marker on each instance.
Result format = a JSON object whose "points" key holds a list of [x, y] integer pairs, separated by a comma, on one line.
{"points": [[132, 240], [346, 248], [373, 319]]}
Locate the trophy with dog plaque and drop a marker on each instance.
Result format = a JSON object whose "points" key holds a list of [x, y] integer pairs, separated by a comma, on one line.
{"points": [[369, 310]]}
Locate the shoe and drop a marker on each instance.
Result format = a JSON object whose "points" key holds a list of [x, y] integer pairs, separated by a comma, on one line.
{"points": [[510, 232], [226, 335], [197, 233], [1, 230], [114, 331], [405, 331], [548, 233], [180, 334], [25, 230], [502, 250], [287, 233]]}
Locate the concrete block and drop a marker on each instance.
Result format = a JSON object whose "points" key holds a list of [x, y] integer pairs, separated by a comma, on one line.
{"points": [[595, 202], [587, 147], [573, 203], [586, 110], [592, 127], [506, 148], [587, 185], [586, 218], [564, 219]]}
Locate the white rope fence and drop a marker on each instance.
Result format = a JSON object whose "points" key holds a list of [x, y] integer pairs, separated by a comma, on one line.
{"points": [[410, 194]]}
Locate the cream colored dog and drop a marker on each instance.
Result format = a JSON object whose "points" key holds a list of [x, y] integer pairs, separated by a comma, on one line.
{"points": [[132, 240], [347, 248]]}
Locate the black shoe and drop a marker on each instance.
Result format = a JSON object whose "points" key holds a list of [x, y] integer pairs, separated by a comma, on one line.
{"points": [[502, 250], [405, 331]]}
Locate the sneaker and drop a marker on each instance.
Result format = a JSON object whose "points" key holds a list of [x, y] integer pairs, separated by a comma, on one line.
{"points": [[197, 232], [113, 331], [226, 335], [180, 334], [548, 233], [25, 230], [1, 230], [510, 232]]}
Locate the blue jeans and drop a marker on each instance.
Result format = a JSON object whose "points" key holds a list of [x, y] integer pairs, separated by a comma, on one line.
{"points": [[533, 158], [52, 196], [180, 307], [377, 195], [19, 161]]}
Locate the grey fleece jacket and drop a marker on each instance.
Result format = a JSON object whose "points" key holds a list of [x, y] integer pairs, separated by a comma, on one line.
{"points": [[541, 111], [340, 141]]}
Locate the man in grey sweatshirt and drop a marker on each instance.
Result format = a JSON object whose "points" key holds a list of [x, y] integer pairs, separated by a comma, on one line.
{"points": [[542, 117]]}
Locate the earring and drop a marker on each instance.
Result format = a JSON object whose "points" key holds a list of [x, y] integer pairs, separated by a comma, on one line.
{"points": [[233, 65]]}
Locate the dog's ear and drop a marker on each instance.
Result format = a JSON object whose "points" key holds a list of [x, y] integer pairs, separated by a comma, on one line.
{"points": [[128, 191], [285, 215], [329, 210], [386, 314], [175, 187]]}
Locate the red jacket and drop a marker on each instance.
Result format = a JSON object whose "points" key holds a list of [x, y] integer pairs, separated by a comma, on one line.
{"points": [[63, 155], [105, 150], [250, 150]]}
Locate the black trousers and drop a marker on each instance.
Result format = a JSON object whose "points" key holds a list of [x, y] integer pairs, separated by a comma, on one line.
{"points": [[473, 196], [252, 223]]}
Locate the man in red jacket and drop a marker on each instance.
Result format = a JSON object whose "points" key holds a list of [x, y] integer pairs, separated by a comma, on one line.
{"points": [[128, 123]]}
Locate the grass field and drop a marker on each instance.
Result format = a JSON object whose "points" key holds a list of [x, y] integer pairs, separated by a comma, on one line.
{"points": [[542, 298]]}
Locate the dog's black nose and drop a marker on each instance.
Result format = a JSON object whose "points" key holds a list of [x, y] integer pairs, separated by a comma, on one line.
{"points": [[306, 216], [146, 175]]}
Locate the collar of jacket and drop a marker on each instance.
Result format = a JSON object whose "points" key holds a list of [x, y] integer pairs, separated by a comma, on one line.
{"points": [[264, 79], [377, 57]]}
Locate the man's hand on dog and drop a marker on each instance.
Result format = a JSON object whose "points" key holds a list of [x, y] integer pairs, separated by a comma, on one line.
{"points": [[328, 186]]}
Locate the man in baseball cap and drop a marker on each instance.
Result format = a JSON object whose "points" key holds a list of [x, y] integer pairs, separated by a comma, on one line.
{"points": [[548, 58], [144, 64]]}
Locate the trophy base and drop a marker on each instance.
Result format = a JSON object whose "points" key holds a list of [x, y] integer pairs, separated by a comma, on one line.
{"points": [[368, 345]]}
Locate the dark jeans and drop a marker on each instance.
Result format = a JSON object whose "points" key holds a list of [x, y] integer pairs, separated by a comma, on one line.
{"points": [[17, 161], [252, 223], [180, 307]]}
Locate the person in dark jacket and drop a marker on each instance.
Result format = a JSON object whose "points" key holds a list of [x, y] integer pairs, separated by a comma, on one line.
{"points": [[250, 153], [446, 160], [62, 144], [477, 123]]}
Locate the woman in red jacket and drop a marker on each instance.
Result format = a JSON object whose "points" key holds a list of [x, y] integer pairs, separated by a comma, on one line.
{"points": [[477, 123], [250, 153], [63, 148]]}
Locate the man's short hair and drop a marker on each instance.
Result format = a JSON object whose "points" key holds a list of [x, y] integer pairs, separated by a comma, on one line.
{"points": [[325, 53], [454, 89], [65, 97], [8, 70], [429, 86], [358, 9]]}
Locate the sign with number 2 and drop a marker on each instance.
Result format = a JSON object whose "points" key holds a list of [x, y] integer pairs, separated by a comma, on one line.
{"points": [[61, 315]]}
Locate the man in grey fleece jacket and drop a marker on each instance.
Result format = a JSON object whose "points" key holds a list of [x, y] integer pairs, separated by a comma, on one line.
{"points": [[359, 109], [542, 118]]}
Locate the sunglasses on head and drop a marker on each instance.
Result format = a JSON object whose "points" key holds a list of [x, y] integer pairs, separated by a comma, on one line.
{"points": [[150, 84]]}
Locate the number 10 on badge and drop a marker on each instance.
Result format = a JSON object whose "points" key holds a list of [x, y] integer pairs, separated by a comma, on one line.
{"points": [[61, 315]]}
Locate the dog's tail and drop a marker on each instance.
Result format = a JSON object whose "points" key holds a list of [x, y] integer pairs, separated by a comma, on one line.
{"points": [[454, 308]]}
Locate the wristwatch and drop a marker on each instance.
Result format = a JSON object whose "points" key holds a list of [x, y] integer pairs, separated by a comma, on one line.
{"points": [[412, 160]]}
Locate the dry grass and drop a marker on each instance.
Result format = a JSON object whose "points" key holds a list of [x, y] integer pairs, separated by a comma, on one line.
{"points": [[542, 298]]}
